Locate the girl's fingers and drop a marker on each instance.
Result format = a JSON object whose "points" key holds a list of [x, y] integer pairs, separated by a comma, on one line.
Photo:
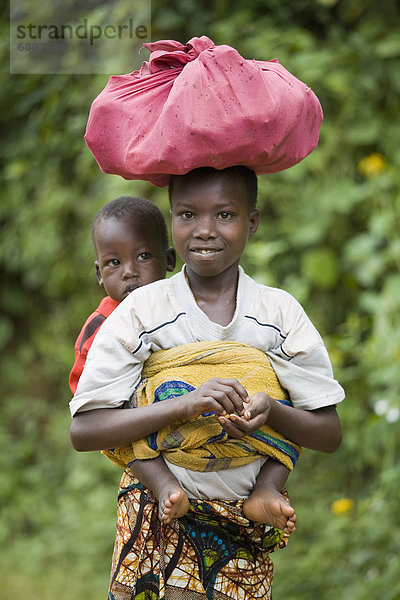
{"points": [[251, 413], [228, 398], [240, 390], [248, 425], [228, 393], [230, 428], [235, 384], [235, 399]]}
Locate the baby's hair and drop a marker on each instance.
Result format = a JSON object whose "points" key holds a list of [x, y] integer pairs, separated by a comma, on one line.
{"points": [[248, 177], [145, 212]]}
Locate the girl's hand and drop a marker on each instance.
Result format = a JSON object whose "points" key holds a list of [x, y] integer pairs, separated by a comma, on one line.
{"points": [[254, 416], [222, 396]]}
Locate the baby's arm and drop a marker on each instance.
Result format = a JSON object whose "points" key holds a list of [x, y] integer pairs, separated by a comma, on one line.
{"points": [[314, 429]]}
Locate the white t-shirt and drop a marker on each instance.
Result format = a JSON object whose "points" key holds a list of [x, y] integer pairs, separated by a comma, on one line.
{"points": [[164, 314]]}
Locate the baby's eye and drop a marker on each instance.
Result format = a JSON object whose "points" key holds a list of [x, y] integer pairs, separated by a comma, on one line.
{"points": [[114, 262], [187, 215], [144, 256], [225, 215]]}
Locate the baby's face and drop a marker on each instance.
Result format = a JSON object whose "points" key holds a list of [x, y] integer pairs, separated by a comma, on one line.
{"points": [[128, 256]]}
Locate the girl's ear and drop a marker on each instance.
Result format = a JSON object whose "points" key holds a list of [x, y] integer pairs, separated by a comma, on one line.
{"points": [[98, 273], [254, 220], [171, 258]]}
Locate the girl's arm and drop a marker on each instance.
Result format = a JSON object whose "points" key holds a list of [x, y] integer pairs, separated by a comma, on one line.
{"points": [[314, 429], [103, 428]]}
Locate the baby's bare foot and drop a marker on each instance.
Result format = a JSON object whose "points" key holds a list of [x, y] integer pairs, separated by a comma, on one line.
{"points": [[173, 503], [267, 505]]}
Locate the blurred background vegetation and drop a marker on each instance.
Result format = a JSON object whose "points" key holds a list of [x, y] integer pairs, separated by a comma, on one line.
{"points": [[329, 235]]}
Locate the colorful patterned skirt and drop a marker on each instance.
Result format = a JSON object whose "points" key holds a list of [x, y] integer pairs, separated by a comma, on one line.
{"points": [[212, 553]]}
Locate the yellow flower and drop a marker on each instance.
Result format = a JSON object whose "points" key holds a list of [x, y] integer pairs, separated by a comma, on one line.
{"points": [[341, 506], [372, 165]]}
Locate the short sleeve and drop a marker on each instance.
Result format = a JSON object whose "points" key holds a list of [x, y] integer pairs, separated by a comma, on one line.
{"points": [[308, 378], [302, 363], [113, 366]]}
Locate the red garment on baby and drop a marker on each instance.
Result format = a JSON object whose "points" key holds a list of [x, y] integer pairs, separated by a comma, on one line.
{"points": [[201, 105], [86, 337]]}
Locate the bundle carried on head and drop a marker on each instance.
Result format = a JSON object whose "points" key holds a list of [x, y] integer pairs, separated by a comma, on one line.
{"points": [[201, 105]]}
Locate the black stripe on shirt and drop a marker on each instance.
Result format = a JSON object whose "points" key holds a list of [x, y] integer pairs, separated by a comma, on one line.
{"points": [[285, 353], [267, 325], [155, 329]]}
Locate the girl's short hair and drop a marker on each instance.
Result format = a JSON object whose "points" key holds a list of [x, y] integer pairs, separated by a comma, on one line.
{"points": [[245, 174]]}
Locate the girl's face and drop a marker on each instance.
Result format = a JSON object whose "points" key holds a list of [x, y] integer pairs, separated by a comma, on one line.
{"points": [[211, 223], [129, 256]]}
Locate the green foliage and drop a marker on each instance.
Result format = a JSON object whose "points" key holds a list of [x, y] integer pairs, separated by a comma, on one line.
{"points": [[329, 235]]}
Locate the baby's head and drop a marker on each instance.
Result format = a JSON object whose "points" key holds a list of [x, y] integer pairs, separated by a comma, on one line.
{"points": [[130, 240]]}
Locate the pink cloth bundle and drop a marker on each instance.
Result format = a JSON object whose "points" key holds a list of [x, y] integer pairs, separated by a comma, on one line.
{"points": [[201, 105]]}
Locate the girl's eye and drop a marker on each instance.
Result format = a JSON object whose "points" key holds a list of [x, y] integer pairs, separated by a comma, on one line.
{"points": [[144, 256], [187, 215], [114, 262], [224, 215]]}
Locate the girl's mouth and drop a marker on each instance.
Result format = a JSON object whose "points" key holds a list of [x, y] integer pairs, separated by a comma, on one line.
{"points": [[205, 251]]}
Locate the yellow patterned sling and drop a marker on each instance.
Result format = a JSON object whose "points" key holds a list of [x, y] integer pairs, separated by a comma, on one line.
{"points": [[202, 444]]}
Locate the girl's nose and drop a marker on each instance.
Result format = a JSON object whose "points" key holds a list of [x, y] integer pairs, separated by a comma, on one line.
{"points": [[205, 229]]}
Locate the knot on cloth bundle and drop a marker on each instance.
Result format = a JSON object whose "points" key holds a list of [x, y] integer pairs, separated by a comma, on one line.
{"points": [[201, 105], [202, 444]]}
